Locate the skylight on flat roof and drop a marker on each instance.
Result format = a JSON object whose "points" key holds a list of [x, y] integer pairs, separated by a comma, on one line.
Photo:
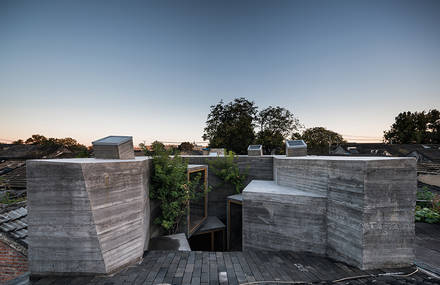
{"points": [[112, 140], [295, 143]]}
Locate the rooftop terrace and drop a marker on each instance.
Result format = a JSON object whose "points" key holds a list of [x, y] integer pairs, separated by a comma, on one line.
{"points": [[183, 267]]}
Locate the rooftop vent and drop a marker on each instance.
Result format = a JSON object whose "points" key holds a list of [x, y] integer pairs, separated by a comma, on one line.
{"points": [[114, 147], [255, 150], [296, 148]]}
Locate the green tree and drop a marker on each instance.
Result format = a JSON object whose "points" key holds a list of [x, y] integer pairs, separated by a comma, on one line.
{"points": [[54, 143], [186, 146], [156, 146], [276, 124], [231, 125], [319, 140], [417, 127], [19, 141], [36, 139]]}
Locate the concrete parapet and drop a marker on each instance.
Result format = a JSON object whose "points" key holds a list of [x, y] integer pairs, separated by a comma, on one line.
{"points": [[369, 213]]}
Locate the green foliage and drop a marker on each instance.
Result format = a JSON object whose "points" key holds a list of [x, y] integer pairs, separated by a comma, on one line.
{"points": [[156, 146], [231, 125], [272, 141], [319, 140], [54, 143], [417, 127], [427, 215], [425, 194], [276, 124], [226, 169], [428, 207], [186, 146], [170, 185]]}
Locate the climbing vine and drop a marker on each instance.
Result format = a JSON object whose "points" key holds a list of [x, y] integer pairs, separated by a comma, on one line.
{"points": [[170, 185], [227, 170]]}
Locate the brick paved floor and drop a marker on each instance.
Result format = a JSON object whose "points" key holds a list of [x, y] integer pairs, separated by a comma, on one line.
{"points": [[177, 267]]}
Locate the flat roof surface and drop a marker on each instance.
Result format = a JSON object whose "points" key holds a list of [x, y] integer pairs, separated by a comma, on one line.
{"points": [[236, 267], [170, 242], [348, 158], [270, 187], [91, 160]]}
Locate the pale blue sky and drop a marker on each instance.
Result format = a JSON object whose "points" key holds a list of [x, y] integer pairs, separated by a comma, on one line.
{"points": [[87, 69]]}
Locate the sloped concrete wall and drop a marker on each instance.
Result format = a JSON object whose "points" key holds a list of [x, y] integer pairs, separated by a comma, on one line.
{"points": [[87, 215]]}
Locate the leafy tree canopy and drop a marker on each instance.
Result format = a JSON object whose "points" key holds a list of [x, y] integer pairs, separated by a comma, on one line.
{"points": [[156, 147], [417, 127], [186, 146], [231, 125], [318, 139], [69, 143], [276, 124]]}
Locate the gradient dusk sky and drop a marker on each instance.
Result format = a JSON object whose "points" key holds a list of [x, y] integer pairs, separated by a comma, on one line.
{"points": [[88, 69]]}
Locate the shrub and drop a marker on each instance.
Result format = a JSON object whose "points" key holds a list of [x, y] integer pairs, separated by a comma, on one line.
{"points": [[428, 206], [427, 215], [226, 169], [425, 194]]}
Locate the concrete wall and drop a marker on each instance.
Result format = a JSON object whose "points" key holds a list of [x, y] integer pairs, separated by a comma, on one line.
{"points": [[280, 218], [87, 215], [370, 205]]}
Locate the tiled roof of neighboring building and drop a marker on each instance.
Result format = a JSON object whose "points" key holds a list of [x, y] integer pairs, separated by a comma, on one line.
{"points": [[9, 165], [15, 179], [423, 152], [13, 223]]}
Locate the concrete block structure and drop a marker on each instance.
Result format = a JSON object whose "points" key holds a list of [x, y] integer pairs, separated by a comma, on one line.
{"points": [[114, 147], [359, 210], [282, 218], [87, 215], [255, 150], [296, 148]]}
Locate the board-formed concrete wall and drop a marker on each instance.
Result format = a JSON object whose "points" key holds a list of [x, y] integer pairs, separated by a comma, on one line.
{"points": [[281, 218], [87, 215], [370, 205]]}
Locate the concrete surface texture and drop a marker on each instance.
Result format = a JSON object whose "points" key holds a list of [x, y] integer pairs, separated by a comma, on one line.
{"points": [[255, 150], [282, 218], [368, 209], [87, 215], [114, 147], [170, 242], [296, 148]]}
